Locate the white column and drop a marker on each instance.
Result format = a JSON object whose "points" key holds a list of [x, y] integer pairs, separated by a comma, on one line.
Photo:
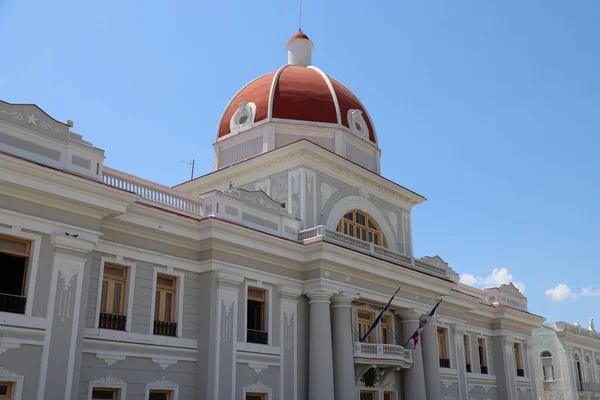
{"points": [[343, 352], [414, 378], [461, 361], [530, 373], [320, 374], [431, 361]]}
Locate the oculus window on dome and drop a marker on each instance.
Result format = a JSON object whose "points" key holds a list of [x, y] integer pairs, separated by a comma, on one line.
{"points": [[243, 116], [358, 125], [362, 226]]}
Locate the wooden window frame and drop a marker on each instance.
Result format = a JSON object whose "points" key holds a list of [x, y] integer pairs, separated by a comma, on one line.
{"points": [[168, 392], [482, 351], [262, 299], [466, 349], [374, 393], [442, 336], [393, 394], [115, 391], [353, 227], [261, 395], [518, 355], [360, 321], [112, 280], [386, 321], [10, 391], [160, 292], [25, 254]]}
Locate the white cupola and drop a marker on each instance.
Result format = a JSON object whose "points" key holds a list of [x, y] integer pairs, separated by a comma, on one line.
{"points": [[300, 50]]}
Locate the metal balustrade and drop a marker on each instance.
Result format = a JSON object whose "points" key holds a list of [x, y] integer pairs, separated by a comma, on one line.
{"points": [[112, 321], [12, 303], [254, 336], [164, 328]]}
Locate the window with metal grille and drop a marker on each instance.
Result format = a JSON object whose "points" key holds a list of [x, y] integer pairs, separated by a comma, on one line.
{"points": [[112, 304], [164, 306], [14, 261], [256, 331], [547, 366]]}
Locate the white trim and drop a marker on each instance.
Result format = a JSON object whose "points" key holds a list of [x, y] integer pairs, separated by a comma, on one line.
{"points": [[75, 329], [269, 300], [108, 382], [34, 257], [272, 91], [333, 93], [163, 384], [258, 387], [362, 203], [118, 260], [180, 276], [17, 380]]}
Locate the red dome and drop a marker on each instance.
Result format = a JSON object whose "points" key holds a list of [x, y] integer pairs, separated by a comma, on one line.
{"points": [[299, 35], [300, 94]]}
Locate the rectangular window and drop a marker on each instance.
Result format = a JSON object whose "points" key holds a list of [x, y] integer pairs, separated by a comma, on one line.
{"points": [[160, 395], [105, 394], [14, 259], [6, 389], [256, 331], [164, 306], [112, 304], [365, 320], [467, 352], [443, 347], [368, 395], [388, 396], [255, 396], [386, 333], [518, 361], [482, 356]]}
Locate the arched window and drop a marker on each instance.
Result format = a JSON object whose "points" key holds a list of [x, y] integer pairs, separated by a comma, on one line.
{"points": [[589, 368], [547, 366], [578, 372], [362, 226]]}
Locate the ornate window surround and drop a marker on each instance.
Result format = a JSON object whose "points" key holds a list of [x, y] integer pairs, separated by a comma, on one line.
{"points": [[244, 108], [163, 384], [258, 387], [117, 260], [356, 120], [109, 382], [180, 276], [17, 380]]}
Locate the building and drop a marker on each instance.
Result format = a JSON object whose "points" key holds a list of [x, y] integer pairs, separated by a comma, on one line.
{"points": [[251, 282], [567, 361]]}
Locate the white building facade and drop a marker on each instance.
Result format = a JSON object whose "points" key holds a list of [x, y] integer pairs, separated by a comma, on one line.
{"points": [[253, 282], [567, 361]]}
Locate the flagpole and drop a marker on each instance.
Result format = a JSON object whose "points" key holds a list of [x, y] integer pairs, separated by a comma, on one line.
{"points": [[376, 322]]}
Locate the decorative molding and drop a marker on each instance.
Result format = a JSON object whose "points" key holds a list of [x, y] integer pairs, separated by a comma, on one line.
{"points": [[163, 384], [164, 363], [4, 346], [107, 381], [258, 368], [447, 384], [257, 387], [15, 115], [4, 372], [227, 303], [288, 316], [110, 358], [327, 191]]}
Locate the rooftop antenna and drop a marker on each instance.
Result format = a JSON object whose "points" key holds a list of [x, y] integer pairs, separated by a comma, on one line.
{"points": [[192, 164], [300, 22]]}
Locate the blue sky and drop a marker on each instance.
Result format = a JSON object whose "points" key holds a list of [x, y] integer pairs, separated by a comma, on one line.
{"points": [[490, 109]]}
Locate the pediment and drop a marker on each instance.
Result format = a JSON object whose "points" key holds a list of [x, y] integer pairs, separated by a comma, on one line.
{"points": [[256, 198], [31, 117]]}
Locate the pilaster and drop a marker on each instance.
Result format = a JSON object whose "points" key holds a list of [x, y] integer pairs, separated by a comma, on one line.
{"points": [[431, 363], [530, 372], [461, 360], [224, 378], [288, 298], [320, 375], [64, 307], [505, 367]]}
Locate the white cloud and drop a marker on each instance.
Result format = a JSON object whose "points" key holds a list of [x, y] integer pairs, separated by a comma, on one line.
{"points": [[496, 278], [589, 292], [561, 292]]}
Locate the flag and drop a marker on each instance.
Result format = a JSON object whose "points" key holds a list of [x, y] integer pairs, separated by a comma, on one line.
{"points": [[415, 336], [374, 324]]}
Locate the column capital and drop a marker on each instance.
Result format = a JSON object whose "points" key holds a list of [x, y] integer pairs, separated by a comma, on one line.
{"points": [[71, 242], [342, 299], [459, 329], [410, 315], [319, 296], [289, 292], [224, 278]]}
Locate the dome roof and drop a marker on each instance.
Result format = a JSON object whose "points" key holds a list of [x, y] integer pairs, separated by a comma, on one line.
{"points": [[299, 93]]}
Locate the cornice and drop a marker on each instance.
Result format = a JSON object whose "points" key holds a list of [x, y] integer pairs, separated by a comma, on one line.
{"points": [[304, 151]]}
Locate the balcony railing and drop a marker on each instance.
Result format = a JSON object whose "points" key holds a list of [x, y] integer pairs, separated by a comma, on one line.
{"points": [[153, 193], [112, 321], [254, 336], [520, 372], [444, 363], [483, 369], [589, 387], [322, 233], [382, 354], [164, 328], [468, 367], [12, 304]]}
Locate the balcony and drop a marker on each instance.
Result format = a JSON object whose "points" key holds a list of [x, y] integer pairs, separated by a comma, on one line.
{"points": [[444, 363], [254, 336], [382, 355], [12, 303], [164, 328], [520, 372], [112, 321], [468, 367], [321, 233], [484, 369]]}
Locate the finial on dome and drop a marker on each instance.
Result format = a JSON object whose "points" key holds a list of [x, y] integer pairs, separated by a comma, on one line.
{"points": [[299, 49]]}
